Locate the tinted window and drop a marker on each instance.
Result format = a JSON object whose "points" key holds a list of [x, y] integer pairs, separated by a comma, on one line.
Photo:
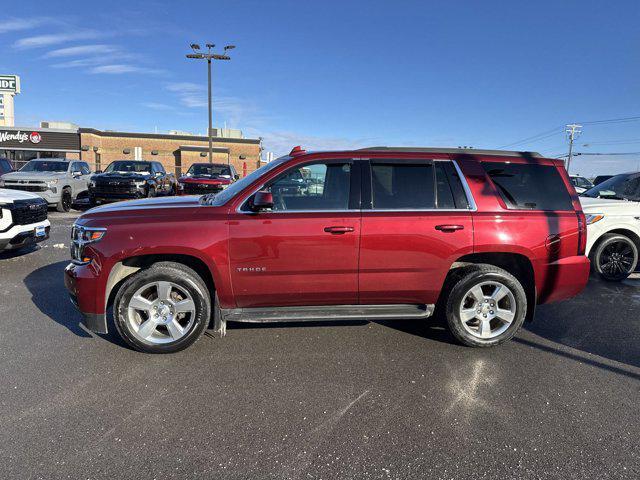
{"points": [[5, 166], [531, 187], [319, 186], [84, 168], [402, 186], [450, 193], [620, 187]]}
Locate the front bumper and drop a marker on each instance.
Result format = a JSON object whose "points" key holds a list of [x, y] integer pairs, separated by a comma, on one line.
{"points": [[104, 195], [81, 283], [50, 197], [20, 236], [563, 279]]}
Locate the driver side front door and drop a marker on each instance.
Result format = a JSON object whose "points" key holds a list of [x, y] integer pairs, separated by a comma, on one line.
{"points": [[304, 251]]}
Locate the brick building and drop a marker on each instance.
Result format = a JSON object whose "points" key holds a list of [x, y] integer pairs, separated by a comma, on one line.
{"points": [[176, 152], [99, 148]]}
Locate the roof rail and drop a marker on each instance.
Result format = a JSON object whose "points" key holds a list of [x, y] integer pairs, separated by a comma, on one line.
{"points": [[459, 151]]}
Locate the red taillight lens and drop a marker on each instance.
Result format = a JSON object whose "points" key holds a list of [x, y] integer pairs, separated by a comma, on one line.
{"points": [[582, 233]]}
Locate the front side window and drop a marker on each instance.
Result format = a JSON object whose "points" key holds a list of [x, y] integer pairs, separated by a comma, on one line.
{"points": [[402, 186], [529, 186], [84, 168], [317, 186]]}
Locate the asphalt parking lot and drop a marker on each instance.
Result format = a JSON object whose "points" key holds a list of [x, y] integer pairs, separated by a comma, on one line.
{"points": [[358, 400]]}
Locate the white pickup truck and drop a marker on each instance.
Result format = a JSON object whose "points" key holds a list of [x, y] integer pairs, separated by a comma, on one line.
{"points": [[23, 219], [612, 209]]}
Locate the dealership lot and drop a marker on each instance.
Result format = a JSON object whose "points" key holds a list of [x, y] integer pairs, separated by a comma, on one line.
{"points": [[358, 400]]}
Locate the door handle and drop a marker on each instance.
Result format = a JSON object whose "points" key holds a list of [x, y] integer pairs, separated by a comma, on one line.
{"points": [[337, 230], [449, 228]]}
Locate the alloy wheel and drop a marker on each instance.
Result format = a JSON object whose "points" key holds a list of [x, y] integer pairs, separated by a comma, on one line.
{"points": [[161, 312], [617, 258], [487, 309]]}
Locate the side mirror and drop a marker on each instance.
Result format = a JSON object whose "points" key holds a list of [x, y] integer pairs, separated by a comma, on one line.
{"points": [[77, 174], [262, 201]]}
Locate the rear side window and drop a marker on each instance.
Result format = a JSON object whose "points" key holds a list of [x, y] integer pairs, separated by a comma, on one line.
{"points": [[402, 186], [450, 193], [530, 187]]}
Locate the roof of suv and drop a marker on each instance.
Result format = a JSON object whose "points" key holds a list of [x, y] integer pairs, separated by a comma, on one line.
{"points": [[461, 151]]}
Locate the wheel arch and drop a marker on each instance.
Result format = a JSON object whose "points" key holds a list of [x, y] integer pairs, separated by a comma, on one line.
{"points": [[516, 264], [627, 232], [126, 267]]}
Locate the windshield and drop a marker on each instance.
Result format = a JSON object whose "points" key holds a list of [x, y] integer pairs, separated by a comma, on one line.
{"points": [[224, 196], [200, 170], [581, 182], [620, 187], [45, 166], [126, 167]]}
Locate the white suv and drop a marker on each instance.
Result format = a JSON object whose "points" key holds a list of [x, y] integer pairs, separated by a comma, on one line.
{"points": [[23, 219], [612, 209]]}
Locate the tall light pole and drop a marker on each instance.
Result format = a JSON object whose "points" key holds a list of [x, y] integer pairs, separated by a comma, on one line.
{"points": [[208, 57], [573, 130]]}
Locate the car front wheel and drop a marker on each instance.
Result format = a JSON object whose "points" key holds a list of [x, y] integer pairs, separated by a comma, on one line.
{"points": [[64, 205], [162, 309], [486, 306], [615, 257]]}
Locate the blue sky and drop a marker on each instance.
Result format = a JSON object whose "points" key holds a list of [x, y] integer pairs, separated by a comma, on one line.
{"points": [[340, 74]]}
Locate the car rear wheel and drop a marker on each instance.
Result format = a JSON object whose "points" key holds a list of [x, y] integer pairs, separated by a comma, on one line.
{"points": [[486, 306], [64, 205], [162, 309], [615, 257]]}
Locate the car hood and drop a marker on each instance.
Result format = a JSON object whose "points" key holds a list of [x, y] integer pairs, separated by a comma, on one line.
{"points": [[120, 176], [145, 205], [33, 175], [603, 205], [9, 196]]}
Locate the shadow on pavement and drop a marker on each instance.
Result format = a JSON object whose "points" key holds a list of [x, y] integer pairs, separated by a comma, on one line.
{"points": [[8, 254], [48, 293], [603, 320]]}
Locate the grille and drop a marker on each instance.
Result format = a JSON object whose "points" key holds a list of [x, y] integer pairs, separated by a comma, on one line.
{"points": [[200, 188], [26, 212], [27, 188], [107, 188]]}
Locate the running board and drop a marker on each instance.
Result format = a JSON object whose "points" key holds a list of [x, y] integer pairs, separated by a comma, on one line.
{"points": [[327, 312]]}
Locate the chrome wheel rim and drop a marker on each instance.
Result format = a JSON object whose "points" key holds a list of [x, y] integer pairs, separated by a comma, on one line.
{"points": [[161, 312], [617, 258], [487, 310]]}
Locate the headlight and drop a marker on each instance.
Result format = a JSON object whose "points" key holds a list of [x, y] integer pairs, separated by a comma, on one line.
{"points": [[92, 184], [593, 218], [52, 183], [1, 183], [140, 184], [81, 236]]}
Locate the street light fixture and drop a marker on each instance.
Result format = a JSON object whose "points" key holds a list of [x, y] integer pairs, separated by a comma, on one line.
{"points": [[209, 56]]}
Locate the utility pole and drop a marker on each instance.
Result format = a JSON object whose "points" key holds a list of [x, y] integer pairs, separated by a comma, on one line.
{"points": [[208, 57], [573, 130]]}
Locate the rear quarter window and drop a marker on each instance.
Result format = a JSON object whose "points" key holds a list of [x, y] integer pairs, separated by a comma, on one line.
{"points": [[528, 186]]}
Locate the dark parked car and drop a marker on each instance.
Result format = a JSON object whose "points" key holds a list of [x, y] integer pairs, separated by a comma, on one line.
{"points": [[5, 166], [202, 178], [130, 179], [380, 233], [601, 178]]}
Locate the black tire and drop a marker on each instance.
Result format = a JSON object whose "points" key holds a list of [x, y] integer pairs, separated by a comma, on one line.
{"points": [[476, 275], [64, 205], [178, 274], [151, 192], [615, 257]]}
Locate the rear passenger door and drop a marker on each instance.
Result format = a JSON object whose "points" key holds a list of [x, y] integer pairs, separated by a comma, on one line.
{"points": [[416, 222]]}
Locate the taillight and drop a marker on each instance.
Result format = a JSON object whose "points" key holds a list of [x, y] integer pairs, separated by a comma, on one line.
{"points": [[582, 233]]}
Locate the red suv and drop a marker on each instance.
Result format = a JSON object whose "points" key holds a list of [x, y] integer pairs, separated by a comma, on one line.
{"points": [[202, 178], [378, 233]]}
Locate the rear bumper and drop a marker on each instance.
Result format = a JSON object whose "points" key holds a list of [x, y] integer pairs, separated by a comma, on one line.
{"points": [[563, 279], [81, 285]]}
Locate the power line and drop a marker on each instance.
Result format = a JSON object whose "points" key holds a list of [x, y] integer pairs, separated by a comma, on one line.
{"points": [[613, 120], [539, 136], [629, 141]]}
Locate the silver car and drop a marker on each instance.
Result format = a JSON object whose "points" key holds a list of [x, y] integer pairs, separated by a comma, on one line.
{"points": [[59, 181]]}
